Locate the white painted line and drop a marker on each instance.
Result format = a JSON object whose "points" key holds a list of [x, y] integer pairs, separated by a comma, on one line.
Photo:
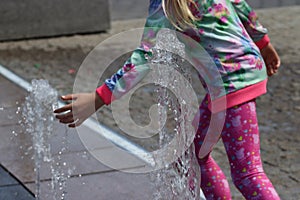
{"points": [[120, 141], [14, 78], [90, 123]]}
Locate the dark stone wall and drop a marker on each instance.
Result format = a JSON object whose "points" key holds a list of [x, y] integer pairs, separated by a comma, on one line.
{"points": [[43, 18]]}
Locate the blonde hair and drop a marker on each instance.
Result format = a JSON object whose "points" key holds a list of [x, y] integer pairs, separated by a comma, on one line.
{"points": [[179, 13]]}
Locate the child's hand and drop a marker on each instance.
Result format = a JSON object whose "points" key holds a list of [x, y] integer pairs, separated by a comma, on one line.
{"points": [[271, 59], [82, 107]]}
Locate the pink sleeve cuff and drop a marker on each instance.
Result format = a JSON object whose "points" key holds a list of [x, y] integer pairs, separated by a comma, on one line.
{"points": [[105, 94], [263, 42]]}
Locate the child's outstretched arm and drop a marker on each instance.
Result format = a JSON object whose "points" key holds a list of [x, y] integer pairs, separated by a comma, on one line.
{"points": [[82, 107], [258, 34], [85, 104]]}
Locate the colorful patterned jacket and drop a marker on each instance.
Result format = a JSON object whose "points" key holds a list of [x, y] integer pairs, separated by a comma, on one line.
{"points": [[231, 34]]}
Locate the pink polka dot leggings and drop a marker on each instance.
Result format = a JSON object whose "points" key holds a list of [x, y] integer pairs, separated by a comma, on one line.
{"points": [[240, 137]]}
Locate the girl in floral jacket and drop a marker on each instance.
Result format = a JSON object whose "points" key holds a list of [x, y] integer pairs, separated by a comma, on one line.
{"points": [[231, 34]]}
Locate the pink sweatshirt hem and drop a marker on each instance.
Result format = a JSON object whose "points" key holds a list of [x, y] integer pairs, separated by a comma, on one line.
{"points": [[238, 97]]}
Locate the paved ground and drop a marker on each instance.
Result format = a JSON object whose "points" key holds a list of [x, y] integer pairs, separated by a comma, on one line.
{"points": [[16, 157], [51, 59], [11, 188]]}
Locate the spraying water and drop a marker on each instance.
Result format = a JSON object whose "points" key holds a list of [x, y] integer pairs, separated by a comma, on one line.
{"points": [[39, 122], [180, 179]]}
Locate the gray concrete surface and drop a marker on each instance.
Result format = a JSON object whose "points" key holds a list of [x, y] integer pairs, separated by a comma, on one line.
{"points": [[89, 178], [43, 18], [128, 9], [11, 189]]}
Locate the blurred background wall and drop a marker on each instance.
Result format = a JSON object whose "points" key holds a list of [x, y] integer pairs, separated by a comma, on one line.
{"points": [[43, 18]]}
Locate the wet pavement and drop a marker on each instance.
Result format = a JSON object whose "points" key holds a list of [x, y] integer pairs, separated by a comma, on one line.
{"points": [[11, 188], [17, 177]]}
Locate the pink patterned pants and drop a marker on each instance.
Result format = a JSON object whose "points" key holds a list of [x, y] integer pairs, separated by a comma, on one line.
{"points": [[240, 137]]}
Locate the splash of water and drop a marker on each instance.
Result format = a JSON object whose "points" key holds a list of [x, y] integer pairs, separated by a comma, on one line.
{"points": [[60, 171], [38, 119], [39, 123], [180, 179]]}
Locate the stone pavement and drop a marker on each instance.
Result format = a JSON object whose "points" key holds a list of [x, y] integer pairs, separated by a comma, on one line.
{"points": [[11, 188]]}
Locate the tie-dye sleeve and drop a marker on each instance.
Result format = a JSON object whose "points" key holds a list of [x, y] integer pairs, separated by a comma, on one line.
{"points": [[249, 18], [135, 68]]}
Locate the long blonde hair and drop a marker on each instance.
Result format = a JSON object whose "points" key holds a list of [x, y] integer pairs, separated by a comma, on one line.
{"points": [[179, 12]]}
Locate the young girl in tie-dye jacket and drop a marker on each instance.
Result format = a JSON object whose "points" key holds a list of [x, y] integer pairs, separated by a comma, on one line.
{"points": [[239, 45]]}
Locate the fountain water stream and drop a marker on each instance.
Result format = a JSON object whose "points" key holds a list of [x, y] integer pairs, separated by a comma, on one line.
{"points": [[179, 179], [38, 119]]}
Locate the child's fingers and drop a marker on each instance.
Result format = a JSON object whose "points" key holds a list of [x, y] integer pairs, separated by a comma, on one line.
{"points": [[76, 124], [270, 70], [276, 64], [69, 97], [67, 120], [64, 109], [62, 116]]}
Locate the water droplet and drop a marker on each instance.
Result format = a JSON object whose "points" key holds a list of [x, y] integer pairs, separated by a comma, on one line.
{"points": [[18, 110], [14, 133]]}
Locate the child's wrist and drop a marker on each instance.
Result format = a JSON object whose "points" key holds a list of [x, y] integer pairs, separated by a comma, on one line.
{"points": [[262, 43], [98, 101]]}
